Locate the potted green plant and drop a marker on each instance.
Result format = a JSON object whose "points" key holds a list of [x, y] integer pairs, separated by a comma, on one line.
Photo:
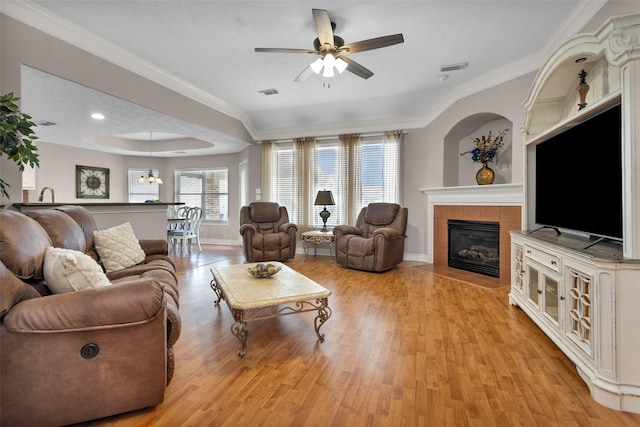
{"points": [[16, 137]]}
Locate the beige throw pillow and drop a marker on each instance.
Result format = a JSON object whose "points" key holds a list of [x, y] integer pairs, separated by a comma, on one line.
{"points": [[66, 270], [118, 247]]}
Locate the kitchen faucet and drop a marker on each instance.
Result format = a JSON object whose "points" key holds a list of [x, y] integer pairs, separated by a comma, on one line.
{"points": [[53, 194]]}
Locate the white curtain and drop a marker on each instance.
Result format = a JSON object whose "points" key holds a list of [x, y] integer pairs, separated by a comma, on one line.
{"points": [[391, 166], [268, 175], [304, 154], [349, 184]]}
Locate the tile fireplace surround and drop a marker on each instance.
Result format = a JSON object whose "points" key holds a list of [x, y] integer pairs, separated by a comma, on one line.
{"points": [[500, 203]]}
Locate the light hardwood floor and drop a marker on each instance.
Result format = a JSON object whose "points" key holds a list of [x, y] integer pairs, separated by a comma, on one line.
{"points": [[408, 347]]}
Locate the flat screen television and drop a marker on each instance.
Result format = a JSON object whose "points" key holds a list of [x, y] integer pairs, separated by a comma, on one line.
{"points": [[578, 184]]}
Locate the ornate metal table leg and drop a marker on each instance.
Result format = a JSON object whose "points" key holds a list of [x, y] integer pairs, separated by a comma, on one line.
{"points": [[332, 250], [239, 329], [324, 313], [217, 290], [305, 244]]}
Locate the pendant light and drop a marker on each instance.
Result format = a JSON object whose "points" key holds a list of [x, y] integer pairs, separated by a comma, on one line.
{"points": [[150, 178]]}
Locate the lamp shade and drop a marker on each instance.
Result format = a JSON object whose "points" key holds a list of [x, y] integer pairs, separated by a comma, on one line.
{"points": [[341, 65], [324, 198], [317, 65]]}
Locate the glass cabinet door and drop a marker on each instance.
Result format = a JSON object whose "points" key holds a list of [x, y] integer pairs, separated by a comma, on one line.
{"points": [[551, 298], [532, 284], [517, 272]]}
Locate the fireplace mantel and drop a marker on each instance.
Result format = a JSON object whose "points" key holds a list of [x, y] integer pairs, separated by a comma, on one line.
{"points": [[476, 195]]}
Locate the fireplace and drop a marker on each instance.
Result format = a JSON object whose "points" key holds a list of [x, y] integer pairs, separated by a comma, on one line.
{"points": [[474, 246]]}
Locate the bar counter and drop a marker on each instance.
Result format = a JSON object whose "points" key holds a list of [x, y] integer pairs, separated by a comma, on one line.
{"points": [[149, 220]]}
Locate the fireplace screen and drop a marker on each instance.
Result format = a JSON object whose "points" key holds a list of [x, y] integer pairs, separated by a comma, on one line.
{"points": [[475, 246]]}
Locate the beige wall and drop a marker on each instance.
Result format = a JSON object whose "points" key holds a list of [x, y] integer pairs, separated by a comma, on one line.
{"points": [[58, 170], [424, 152]]}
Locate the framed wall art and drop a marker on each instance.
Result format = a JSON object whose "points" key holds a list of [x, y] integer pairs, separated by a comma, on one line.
{"points": [[92, 182]]}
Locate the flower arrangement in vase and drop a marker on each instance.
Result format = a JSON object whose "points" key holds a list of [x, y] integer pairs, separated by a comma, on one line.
{"points": [[485, 150]]}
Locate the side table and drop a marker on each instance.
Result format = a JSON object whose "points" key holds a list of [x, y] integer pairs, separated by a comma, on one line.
{"points": [[318, 237]]}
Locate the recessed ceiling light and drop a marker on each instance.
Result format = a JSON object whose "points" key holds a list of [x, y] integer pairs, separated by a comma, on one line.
{"points": [[97, 116]]}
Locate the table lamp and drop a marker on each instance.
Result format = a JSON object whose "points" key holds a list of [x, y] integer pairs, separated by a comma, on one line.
{"points": [[324, 198]]}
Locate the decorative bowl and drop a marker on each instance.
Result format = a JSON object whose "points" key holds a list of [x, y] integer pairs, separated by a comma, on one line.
{"points": [[262, 271]]}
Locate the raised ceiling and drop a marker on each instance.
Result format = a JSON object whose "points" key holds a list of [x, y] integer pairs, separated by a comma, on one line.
{"points": [[208, 46]]}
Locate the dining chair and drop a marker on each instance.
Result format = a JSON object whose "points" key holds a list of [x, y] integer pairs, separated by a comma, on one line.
{"points": [[190, 230], [181, 212]]}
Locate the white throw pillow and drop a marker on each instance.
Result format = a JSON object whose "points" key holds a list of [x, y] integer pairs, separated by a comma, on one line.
{"points": [[66, 270], [118, 247]]}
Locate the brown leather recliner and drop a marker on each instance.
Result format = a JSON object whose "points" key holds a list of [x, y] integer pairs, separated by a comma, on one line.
{"points": [[376, 243], [71, 357], [267, 234]]}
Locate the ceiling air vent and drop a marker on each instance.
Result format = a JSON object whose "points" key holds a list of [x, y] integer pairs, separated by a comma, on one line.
{"points": [[266, 92], [453, 67], [45, 123]]}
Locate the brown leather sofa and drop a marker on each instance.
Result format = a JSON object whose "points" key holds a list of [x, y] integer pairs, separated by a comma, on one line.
{"points": [[376, 242], [72, 357], [267, 234]]}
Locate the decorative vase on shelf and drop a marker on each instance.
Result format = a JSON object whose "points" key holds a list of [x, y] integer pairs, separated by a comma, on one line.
{"points": [[486, 175]]}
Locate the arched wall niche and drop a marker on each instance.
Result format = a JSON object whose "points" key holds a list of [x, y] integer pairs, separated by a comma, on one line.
{"points": [[460, 170]]}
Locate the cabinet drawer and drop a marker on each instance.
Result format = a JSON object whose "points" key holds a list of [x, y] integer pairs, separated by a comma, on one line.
{"points": [[548, 260]]}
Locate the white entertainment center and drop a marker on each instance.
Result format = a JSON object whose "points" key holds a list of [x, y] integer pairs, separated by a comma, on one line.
{"points": [[587, 300]]}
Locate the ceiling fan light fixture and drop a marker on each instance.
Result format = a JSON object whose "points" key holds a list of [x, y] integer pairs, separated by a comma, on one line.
{"points": [[329, 63], [340, 65], [317, 65]]}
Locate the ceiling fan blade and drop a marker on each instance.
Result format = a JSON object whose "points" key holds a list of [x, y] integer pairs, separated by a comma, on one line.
{"points": [[304, 74], [375, 43], [284, 50], [356, 68], [323, 27]]}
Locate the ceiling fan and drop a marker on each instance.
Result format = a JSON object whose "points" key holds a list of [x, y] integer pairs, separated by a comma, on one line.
{"points": [[333, 51]]}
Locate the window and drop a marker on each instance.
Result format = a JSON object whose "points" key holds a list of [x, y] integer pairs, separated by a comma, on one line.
{"points": [[327, 179], [140, 192], [363, 172], [207, 189], [379, 170], [284, 183]]}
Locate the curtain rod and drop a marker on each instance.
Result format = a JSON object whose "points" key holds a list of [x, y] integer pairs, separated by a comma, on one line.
{"points": [[325, 138]]}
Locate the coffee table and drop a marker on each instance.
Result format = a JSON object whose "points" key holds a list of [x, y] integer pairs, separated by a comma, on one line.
{"points": [[249, 298]]}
